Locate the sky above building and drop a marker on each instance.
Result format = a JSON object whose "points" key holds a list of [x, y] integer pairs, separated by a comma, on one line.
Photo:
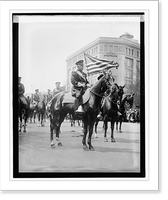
{"points": [[45, 43]]}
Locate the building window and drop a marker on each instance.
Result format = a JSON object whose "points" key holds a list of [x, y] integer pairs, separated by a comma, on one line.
{"points": [[101, 47], [132, 52], [128, 73], [105, 47], [110, 48], [126, 50], [128, 62], [120, 48], [115, 48], [128, 82], [129, 51], [138, 54]]}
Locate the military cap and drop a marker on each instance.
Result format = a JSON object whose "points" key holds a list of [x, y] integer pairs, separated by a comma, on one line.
{"points": [[80, 62], [19, 77], [57, 82], [36, 90]]}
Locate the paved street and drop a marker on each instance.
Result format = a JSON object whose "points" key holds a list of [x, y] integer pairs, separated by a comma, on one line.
{"points": [[36, 155]]}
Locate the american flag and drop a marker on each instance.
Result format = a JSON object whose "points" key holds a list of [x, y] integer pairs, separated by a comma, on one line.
{"points": [[97, 65]]}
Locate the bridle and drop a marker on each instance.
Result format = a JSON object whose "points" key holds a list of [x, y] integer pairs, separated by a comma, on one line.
{"points": [[108, 84]]}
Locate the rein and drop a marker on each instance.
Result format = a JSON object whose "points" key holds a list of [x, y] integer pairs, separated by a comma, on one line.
{"points": [[100, 95]]}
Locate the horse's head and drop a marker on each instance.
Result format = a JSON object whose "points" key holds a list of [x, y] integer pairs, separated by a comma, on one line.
{"points": [[120, 92], [129, 99]]}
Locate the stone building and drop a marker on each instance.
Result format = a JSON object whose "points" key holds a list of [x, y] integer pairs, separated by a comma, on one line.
{"points": [[124, 50]]}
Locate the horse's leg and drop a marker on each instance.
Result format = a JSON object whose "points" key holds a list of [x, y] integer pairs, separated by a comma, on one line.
{"points": [[120, 124], [96, 124], [51, 132], [57, 128], [117, 125], [57, 136], [38, 116], [91, 125], [105, 129], [20, 128], [42, 119], [112, 130], [34, 115], [85, 127], [25, 120]]}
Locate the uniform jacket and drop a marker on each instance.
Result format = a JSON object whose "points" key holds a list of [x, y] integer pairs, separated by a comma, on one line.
{"points": [[49, 97], [21, 89], [56, 91], [36, 97], [78, 77]]}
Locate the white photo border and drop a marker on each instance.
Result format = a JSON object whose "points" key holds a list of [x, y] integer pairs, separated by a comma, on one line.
{"points": [[7, 182]]}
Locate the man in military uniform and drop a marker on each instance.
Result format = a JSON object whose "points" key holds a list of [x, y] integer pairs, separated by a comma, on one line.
{"points": [[21, 91], [80, 84], [36, 97], [49, 95], [57, 88]]}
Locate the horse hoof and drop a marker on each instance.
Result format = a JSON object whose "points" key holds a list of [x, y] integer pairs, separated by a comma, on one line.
{"points": [[52, 145], [60, 144], [24, 131], [105, 140], [96, 136], [120, 131], [85, 148], [112, 140], [91, 148]]}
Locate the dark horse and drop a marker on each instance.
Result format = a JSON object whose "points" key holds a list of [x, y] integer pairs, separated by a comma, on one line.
{"points": [[41, 111], [127, 101], [23, 114], [32, 111], [91, 109], [120, 92]]}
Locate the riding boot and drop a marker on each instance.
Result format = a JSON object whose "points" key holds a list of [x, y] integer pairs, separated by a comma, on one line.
{"points": [[78, 106]]}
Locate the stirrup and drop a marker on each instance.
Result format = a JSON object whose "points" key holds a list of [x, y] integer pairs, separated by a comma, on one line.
{"points": [[80, 109]]}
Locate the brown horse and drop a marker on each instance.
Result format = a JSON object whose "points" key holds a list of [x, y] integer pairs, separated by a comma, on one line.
{"points": [[91, 109]]}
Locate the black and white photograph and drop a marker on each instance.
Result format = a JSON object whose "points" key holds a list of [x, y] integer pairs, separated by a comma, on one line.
{"points": [[80, 94]]}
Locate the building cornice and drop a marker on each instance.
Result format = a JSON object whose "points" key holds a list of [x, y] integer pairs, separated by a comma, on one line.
{"points": [[123, 41]]}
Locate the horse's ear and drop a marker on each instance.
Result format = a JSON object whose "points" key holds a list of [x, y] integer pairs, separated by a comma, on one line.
{"points": [[117, 85], [124, 86], [133, 94]]}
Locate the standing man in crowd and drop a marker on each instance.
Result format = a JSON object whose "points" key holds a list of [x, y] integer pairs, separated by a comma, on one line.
{"points": [[80, 84]]}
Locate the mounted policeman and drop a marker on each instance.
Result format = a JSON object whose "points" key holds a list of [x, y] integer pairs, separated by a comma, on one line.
{"points": [[80, 84]]}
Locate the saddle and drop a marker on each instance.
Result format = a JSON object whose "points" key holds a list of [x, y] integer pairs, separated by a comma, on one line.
{"points": [[68, 98]]}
